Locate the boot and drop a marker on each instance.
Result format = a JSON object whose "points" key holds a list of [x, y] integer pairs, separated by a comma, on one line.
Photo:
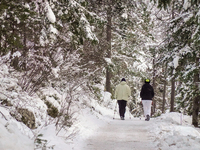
{"points": [[122, 118], [148, 118]]}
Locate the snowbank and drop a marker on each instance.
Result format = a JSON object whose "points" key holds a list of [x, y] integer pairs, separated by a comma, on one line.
{"points": [[14, 135], [174, 131], [169, 131]]}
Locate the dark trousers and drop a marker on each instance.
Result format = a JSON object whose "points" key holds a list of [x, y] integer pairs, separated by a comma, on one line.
{"points": [[122, 107]]}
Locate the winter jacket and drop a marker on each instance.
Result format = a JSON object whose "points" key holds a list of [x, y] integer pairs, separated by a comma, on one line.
{"points": [[122, 91], [147, 92]]}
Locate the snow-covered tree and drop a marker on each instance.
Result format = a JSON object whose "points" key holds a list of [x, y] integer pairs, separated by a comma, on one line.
{"points": [[182, 55]]}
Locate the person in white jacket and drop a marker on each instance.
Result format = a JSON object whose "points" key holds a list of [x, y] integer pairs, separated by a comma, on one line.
{"points": [[122, 94]]}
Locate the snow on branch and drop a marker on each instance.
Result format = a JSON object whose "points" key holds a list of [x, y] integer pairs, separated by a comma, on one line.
{"points": [[50, 15], [87, 28]]}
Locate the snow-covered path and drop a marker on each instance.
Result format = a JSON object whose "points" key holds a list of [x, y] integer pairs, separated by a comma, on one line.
{"points": [[130, 134]]}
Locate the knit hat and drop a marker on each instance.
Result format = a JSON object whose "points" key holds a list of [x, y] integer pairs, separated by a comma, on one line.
{"points": [[123, 79], [147, 81]]}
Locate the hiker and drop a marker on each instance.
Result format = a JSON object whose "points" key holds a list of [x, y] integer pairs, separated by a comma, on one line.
{"points": [[122, 94], [147, 93]]}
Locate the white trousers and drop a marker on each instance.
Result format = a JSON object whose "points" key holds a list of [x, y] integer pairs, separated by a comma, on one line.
{"points": [[147, 107]]}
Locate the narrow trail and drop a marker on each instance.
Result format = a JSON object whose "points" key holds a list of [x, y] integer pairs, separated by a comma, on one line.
{"points": [[129, 134]]}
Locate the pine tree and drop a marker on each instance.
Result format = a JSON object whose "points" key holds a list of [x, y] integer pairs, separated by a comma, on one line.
{"points": [[184, 52]]}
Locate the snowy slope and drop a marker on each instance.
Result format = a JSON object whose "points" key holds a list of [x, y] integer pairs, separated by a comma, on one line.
{"points": [[174, 131], [14, 135], [169, 131], [166, 131]]}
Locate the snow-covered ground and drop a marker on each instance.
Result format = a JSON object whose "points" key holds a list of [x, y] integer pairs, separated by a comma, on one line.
{"points": [[174, 131], [94, 126], [169, 131]]}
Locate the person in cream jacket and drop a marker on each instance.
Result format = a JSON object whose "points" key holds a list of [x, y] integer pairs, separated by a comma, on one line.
{"points": [[122, 94]]}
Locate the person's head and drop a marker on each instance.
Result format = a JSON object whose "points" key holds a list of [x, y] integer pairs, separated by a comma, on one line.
{"points": [[147, 81], [123, 79]]}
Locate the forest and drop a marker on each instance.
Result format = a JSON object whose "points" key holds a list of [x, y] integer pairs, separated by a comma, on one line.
{"points": [[73, 46]]}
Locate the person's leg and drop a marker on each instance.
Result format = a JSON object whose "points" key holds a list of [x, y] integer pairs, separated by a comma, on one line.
{"points": [[120, 107], [148, 109], [144, 103], [123, 108]]}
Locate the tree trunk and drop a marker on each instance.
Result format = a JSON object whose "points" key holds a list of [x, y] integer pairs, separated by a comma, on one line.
{"points": [[108, 31], [24, 47], [195, 111], [164, 93], [196, 100], [173, 79], [172, 94], [1, 28], [154, 86]]}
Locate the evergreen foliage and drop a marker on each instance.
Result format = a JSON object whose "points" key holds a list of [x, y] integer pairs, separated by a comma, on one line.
{"points": [[65, 43], [181, 53]]}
